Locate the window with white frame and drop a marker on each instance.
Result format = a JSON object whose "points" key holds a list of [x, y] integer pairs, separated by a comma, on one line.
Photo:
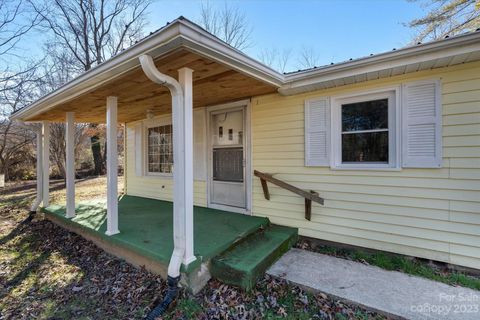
{"points": [[389, 128], [365, 131], [160, 149]]}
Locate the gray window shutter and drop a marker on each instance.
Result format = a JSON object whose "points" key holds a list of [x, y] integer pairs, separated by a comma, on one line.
{"points": [[317, 132], [421, 125], [139, 149]]}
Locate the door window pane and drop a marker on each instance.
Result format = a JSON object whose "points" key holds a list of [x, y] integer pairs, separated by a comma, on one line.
{"points": [[227, 128], [228, 164]]}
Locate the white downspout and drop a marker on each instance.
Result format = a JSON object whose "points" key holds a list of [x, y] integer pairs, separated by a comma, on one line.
{"points": [[176, 91]]}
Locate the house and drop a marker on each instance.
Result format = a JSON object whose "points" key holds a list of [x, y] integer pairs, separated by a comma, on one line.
{"points": [[389, 143]]}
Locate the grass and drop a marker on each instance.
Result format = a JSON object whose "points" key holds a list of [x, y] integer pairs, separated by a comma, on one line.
{"points": [[40, 264], [404, 264]]}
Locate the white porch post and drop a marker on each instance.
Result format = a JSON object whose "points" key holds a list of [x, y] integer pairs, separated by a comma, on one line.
{"points": [[46, 163], [112, 167], [39, 154], [181, 92], [185, 80], [70, 163]]}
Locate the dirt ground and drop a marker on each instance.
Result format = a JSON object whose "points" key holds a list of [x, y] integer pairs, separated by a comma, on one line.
{"points": [[49, 273]]}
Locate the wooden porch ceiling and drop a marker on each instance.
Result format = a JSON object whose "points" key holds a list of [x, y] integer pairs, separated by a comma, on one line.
{"points": [[213, 83]]}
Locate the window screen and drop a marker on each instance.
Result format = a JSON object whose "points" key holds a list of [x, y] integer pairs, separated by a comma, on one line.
{"points": [[228, 164]]}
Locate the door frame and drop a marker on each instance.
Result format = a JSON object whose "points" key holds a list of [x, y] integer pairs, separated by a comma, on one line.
{"points": [[247, 154]]}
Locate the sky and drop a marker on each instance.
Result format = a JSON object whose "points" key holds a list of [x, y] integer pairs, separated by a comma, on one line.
{"points": [[336, 30]]}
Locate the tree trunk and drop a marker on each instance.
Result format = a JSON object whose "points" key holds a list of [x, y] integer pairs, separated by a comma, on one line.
{"points": [[4, 170], [61, 169], [104, 162], [97, 154]]}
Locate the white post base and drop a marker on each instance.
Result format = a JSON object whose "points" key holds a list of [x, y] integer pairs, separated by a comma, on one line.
{"points": [[111, 233]]}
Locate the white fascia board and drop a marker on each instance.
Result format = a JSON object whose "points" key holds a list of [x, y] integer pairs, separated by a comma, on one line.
{"points": [[160, 43], [211, 47], [183, 33], [311, 79], [180, 33]]}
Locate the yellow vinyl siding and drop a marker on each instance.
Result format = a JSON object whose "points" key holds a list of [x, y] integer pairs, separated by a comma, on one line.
{"points": [[430, 213], [156, 187]]}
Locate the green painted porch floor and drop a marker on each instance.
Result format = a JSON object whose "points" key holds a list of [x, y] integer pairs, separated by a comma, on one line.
{"points": [[146, 226]]}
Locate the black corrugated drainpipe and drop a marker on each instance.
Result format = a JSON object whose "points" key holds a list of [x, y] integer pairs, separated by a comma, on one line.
{"points": [[171, 295]]}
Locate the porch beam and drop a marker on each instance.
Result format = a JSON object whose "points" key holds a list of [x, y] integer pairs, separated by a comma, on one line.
{"points": [[70, 162], [112, 167], [186, 82], [46, 163]]}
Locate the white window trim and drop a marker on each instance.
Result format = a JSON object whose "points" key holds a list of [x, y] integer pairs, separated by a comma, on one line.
{"points": [[152, 123], [394, 111]]}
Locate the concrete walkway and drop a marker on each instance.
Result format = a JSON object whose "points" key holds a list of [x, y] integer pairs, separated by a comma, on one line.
{"points": [[389, 292]]}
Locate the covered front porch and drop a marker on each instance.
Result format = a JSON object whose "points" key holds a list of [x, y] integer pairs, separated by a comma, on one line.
{"points": [[166, 76], [225, 242]]}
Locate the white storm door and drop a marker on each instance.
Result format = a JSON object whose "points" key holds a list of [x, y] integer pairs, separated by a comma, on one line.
{"points": [[227, 157]]}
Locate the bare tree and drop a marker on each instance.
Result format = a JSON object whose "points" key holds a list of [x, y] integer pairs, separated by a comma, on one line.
{"points": [[276, 59], [15, 22], [92, 30], [227, 23], [58, 147], [86, 33], [446, 17], [15, 140], [17, 83], [308, 58]]}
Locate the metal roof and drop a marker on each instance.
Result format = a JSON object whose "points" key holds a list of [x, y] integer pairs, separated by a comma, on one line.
{"points": [[377, 54], [184, 33]]}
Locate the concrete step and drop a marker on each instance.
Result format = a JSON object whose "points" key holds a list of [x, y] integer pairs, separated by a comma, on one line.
{"points": [[245, 262]]}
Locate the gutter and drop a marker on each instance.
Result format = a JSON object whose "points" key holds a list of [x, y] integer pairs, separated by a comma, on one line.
{"points": [[180, 33], [303, 81], [107, 71]]}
